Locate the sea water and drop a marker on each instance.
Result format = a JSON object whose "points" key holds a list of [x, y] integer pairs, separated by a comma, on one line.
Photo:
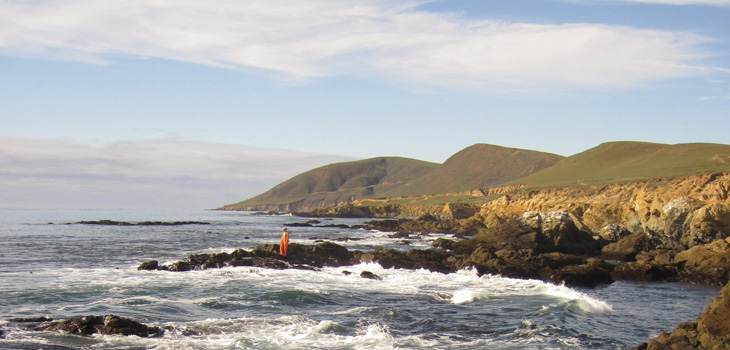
{"points": [[50, 266]]}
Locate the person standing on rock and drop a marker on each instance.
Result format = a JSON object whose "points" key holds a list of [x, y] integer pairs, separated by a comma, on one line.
{"points": [[284, 242]]}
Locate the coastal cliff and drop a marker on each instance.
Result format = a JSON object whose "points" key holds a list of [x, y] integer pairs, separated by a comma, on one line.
{"points": [[675, 213], [619, 211]]}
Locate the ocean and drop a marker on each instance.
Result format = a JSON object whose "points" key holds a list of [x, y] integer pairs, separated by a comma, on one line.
{"points": [[50, 266]]}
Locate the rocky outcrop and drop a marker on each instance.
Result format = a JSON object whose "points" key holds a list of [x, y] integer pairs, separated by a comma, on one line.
{"points": [[654, 228], [555, 267], [652, 266], [427, 223], [267, 256], [535, 232], [711, 330], [706, 264], [432, 260], [677, 213], [143, 223], [627, 248], [106, 325]]}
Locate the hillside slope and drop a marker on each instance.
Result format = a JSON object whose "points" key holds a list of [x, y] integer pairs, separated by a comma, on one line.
{"points": [[616, 162], [481, 166], [339, 182]]}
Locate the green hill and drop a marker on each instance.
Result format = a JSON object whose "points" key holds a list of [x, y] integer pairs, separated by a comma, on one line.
{"points": [[478, 166], [340, 182], [615, 162], [481, 166], [484, 166]]}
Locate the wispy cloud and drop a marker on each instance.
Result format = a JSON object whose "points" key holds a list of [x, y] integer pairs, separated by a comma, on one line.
{"points": [[151, 173], [390, 39]]}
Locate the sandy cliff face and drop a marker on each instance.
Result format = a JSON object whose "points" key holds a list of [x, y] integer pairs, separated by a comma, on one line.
{"points": [[679, 213]]}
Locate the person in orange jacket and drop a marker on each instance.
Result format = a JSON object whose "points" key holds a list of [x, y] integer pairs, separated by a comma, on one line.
{"points": [[284, 242]]}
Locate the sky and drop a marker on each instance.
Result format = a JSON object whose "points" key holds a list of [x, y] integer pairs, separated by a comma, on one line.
{"points": [[192, 104]]}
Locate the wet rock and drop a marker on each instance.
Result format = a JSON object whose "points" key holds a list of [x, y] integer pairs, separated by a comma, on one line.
{"points": [[180, 266], [644, 271], [370, 275], [426, 223], [107, 325], [267, 256], [144, 223], [31, 319], [309, 223], [149, 265], [430, 259], [388, 258], [590, 274]]}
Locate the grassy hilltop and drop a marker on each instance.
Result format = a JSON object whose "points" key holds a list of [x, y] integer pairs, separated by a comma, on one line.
{"points": [[483, 167], [616, 162]]}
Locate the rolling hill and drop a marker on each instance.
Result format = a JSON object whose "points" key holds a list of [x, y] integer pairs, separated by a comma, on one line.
{"points": [[481, 166], [340, 182], [616, 162], [478, 166]]}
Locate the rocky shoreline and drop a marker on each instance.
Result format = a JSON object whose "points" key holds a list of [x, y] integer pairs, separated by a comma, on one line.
{"points": [[652, 230], [546, 246]]}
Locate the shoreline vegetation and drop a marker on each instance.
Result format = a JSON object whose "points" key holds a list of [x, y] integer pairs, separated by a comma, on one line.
{"points": [[620, 211]]}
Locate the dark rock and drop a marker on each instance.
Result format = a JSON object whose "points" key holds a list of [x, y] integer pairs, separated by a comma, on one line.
{"points": [[430, 259], [552, 267], [388, 258], [585, 275], [628, 247], [267, 256], [444, 243], [426, 224], [505, 262], [31, 319], [335, 226], [180, 266], [107, 325], [537, 232], [298, 224], [144, 223], [644, 271], [370, 275], [266, 250], [150, 265]]}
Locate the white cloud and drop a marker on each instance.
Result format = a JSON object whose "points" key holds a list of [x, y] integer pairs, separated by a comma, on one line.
{"points": [[391, 39], [42, 173]]}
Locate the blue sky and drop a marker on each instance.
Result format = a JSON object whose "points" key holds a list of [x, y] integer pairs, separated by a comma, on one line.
{"points": [[310, 82]]}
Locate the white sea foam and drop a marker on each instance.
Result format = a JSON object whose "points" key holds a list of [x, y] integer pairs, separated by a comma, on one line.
{"points": [[584, 302], [290, 332]]}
